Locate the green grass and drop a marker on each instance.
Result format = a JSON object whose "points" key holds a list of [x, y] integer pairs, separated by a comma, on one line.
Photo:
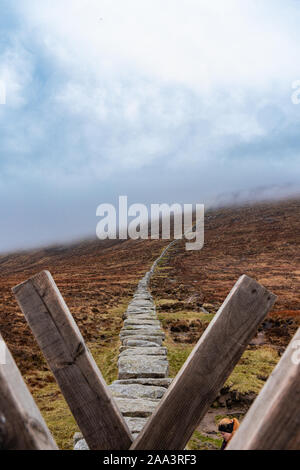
{"points": [[184, 315], [202, 442], [177, 355], [251, 373], [160, 302]]}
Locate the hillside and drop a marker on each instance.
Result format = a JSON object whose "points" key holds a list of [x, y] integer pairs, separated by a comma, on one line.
{"points": [[97, 280]]}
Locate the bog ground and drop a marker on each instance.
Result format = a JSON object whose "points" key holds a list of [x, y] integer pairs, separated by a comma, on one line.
{"points": [[97, 280]]}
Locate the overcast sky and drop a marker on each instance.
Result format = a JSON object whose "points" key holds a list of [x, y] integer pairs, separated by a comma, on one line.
{"points": [[164, 101]]}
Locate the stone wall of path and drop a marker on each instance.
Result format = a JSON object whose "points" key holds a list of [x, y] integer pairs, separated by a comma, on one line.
{"points": [[143, 364]]}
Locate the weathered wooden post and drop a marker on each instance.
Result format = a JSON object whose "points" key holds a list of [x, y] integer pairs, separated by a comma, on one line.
{"points": [[209, 365], [73, 366], [273, 421], [21, 424]]}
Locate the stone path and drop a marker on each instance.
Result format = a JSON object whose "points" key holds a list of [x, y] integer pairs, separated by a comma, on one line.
{"points": [[143, 364]]}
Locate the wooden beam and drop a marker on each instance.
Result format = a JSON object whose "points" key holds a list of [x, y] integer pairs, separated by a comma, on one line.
{"points": [[21, 424], [73, 366], [209, 365], [273, 421]]}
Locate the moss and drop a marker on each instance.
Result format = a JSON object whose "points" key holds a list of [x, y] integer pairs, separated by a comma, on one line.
{"points": [[185, 315], [177, 355], [252, 371], [202, 442], [160, 302]]}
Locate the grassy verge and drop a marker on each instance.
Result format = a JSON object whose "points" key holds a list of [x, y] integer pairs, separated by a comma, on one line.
{"points": [[201, 442], [250, 373]]}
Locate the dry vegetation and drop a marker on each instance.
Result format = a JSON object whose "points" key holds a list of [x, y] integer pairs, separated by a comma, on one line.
{"points": [[98, 278], [261, 241]]}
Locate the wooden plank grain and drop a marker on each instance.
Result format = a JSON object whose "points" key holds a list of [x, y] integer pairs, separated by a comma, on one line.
{"points": [[209, 365], [273, 421], [21, 424], [72, 364]]}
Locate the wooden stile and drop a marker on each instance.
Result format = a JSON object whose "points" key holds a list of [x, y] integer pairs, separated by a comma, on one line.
{"points": [[21, 424], [209, 365], [273, 421], [73, 366]]}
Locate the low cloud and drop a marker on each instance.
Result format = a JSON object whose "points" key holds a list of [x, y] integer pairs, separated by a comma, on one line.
{"points": [[172, 104]]}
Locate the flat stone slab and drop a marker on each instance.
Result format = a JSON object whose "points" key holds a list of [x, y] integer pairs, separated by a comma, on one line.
{"points": [[136, 407], [152, 339], [132, 343], [156, 382], [140, 311], [155, 351], [140, 316], [140, 330], [141, 304], [142, 294], [136, 424], [137, 391], [143, 366], [142, 322]]}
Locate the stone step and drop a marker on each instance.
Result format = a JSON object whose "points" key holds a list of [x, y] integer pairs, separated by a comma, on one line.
{"points": [[135, 309], [132, 343], [133, 331], [152, 339], [136, 408], [136, 425], [133, 367], [140, 322], [141, 304], [137, 391], [141, 317], [151, 351], [148, 381], [141, 330]]}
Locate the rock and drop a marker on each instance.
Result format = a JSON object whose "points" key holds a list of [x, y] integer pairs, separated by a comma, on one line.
{"points": [[140, 316], [136, 407], [132, 343], [153, 339], [142, 297], [137, 391], [141, 322], [136, 424], [140, 330], [155, 351], [147, 381], [143, 366], [140, 311], [141, 303], [81, 445], [77, 437]]}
